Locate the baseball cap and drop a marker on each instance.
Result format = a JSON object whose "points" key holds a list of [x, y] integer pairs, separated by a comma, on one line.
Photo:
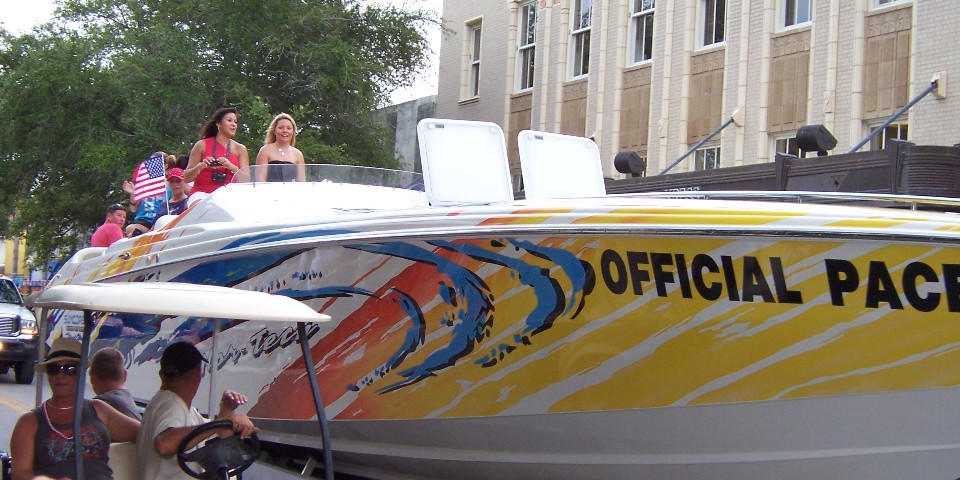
{"points": [[175, 173], [179, 358], [63, 349]]}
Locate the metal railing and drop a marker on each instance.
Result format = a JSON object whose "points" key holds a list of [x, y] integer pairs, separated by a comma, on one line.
{"points": [[911, 103]]}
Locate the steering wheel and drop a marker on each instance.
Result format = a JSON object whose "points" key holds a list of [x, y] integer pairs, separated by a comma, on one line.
{"points": [[219, 457]]}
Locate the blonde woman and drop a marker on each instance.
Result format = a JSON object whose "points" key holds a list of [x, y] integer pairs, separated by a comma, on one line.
{"points": [[279, 160]]}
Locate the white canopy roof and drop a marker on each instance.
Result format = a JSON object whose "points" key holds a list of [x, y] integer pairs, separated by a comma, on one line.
{"points": [[163, 298]]}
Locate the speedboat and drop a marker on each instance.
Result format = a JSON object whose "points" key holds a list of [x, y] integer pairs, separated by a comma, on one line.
{"points": [[570, 334]]}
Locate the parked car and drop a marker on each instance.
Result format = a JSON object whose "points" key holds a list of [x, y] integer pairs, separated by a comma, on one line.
{"points": [[18, 333]]}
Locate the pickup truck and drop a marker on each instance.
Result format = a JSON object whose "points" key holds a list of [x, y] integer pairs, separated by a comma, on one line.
{"points": [[18, 333]]}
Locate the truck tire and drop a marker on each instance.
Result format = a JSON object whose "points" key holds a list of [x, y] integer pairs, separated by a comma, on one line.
{"points": [[24, 371]]}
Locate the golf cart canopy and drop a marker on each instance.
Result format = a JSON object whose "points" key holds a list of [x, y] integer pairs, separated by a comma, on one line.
{"points": [[162, 298]]}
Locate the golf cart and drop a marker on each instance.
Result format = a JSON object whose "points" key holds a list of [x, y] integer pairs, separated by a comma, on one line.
{"points": [[216, 458]]}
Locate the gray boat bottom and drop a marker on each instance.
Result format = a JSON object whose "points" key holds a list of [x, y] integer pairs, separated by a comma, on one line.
{"points": [[266, 470]]}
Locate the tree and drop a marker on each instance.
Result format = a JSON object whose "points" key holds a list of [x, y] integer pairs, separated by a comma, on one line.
{"points": [[85, 99]]}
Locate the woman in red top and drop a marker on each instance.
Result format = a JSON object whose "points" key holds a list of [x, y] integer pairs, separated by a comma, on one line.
{"points": [[216, 157]]}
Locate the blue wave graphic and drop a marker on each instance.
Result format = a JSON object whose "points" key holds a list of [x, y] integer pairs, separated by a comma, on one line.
{"points": [[469, 322], [471, 300], [549, 294]]}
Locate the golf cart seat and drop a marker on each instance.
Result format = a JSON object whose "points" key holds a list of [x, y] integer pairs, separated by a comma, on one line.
{"points": [[123, 460]]}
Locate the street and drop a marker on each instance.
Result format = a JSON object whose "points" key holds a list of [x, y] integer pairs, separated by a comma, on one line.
{"points": [[15, 400]]}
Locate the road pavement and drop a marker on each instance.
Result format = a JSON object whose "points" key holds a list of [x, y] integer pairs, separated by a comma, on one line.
{"points": [[15, 400]]}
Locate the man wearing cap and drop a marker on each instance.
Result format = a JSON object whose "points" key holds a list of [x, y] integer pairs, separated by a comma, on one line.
{"points": [[170, 416], [112, 228], [177, 202]]}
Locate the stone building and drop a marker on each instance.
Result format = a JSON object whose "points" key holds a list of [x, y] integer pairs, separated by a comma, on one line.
{"points": [[657, 77]]}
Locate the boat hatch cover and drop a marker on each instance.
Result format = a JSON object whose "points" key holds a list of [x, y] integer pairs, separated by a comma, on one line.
{"points": [[464, 162], [559, 166]]}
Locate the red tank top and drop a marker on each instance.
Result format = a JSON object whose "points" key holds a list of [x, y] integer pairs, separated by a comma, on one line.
{"points": [[204, 181]]}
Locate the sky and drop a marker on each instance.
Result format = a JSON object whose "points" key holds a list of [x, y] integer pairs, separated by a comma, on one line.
{"points": [[20, 16]]}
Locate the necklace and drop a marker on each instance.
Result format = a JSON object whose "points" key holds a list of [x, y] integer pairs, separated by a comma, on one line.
{"points": [[58, 408], [283, 152], [49, 424]]}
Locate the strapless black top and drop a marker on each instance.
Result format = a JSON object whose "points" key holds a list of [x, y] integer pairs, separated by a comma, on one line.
{"points": [[280, 171]]}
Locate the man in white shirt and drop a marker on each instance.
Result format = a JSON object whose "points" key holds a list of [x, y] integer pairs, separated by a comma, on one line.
{"points": [[169, 417]]}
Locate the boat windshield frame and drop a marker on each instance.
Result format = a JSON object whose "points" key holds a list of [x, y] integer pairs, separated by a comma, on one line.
{"points": [[324, 172]]}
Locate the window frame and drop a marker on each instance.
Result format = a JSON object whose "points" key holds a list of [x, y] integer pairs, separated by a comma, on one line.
{"points": [[881, 4], [697, 160], [474, 54], [517, 178], [580, 36], [782, 12], [702, 24], [639, 14], [879, 141], [526, 47], [790, 140]]}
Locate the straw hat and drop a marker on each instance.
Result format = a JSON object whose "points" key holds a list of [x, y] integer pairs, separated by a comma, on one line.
{"points": [[63, 349]]}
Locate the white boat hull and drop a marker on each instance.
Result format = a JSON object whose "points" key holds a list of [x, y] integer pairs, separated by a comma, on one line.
{"points": [[879, 436]]}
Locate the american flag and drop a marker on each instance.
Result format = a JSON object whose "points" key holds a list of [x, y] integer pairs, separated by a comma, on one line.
{"points": [[149, 180]]}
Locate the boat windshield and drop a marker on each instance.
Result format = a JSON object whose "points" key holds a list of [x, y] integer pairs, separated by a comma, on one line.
{"points": [[380, 177]]}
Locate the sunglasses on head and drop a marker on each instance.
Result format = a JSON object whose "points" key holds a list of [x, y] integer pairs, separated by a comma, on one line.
{"points": [[68, 370]]}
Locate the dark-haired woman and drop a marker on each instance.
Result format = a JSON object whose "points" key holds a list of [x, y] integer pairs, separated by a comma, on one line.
{"points": [[216, 157]]}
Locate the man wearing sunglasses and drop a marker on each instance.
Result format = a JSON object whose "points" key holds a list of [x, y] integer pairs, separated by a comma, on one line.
{"points": [[42, 440]]}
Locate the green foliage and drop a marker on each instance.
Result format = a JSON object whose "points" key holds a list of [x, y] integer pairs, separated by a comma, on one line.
{"points": [[85, 99]]}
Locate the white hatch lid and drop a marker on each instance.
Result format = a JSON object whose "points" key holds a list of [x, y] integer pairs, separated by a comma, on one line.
{"points": [[464, 162], [559, 166]]}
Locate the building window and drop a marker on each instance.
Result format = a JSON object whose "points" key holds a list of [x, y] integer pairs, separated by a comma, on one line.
{"points": [[641, 22], [473, 84], [713, 21], [706, 158], [795, 12], [517, 181], [894, 131], [527, 45], [884, 3], [580, 38], [788, 146]]}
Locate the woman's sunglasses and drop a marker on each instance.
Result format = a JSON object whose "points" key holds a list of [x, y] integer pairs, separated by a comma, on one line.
{"points": [[68, 370]]}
